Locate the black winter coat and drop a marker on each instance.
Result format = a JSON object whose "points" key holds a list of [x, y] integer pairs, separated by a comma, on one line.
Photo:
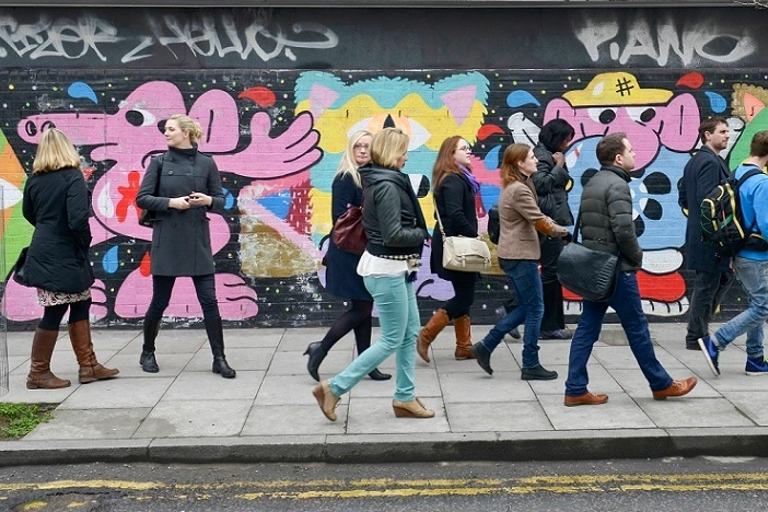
{"points": [[341, 278], [456, 205], [181, 239], [57, 204], [606, 217], [552, 183], [702, 173], [392, 217]]}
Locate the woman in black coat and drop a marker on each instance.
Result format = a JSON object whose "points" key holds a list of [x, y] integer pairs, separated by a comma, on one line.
{"points": [[553, 182], [454, 188], [56, 204], [180, 188], [341, 278]]}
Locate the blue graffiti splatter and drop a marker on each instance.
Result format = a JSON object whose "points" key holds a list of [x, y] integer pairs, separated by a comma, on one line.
{"points": [[717, 102], [229, 200], [109, 262], [492, 159], [82, 90], [520, 98]]}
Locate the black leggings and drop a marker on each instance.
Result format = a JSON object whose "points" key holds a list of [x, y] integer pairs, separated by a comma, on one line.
{"points": [[52, 315], [162, 286], [462, 300], [358, 317]]}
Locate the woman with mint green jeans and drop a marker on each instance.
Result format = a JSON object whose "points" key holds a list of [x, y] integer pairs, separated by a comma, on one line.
{"points": [[396, 230]]}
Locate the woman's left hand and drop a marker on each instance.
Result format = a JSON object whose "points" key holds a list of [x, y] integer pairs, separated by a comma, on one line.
{"points": [[199, 199]]}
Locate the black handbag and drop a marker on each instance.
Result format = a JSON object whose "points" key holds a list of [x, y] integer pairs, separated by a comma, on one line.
{"points": [[19, 272], [586, 272], [147, 217]]}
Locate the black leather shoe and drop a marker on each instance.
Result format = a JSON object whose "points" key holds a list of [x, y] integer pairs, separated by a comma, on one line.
{"points": [[148, 362], [316, 354], [221, 367], [482, 356], [538, 372], [377, 375]]}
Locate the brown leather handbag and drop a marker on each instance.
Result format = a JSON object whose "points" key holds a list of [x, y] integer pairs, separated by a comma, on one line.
{"points": [[348, 233]]}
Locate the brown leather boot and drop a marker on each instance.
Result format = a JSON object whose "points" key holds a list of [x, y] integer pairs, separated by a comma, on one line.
{"points": [[429, 332], [90, 369], [463, 338], [40, 376]]}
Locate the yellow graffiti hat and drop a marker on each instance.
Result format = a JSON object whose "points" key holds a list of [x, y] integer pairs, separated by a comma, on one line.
{"points": [[616, 88]]}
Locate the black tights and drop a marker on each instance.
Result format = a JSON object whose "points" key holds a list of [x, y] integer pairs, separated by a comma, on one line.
{"points": [[52, 315], [358, 317], [464, 296]]}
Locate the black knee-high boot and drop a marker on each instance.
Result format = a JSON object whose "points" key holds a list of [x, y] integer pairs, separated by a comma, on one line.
{"points": [[216, 338]]}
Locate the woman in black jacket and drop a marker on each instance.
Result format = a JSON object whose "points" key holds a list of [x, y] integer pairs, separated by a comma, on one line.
{"points": [[552, 185], [189, 187], [56, 204], [454, 188], [396, 231], [341, 277]]}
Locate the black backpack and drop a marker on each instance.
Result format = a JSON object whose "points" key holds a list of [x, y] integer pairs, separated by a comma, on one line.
{"points": [[494, 224], [722, 221]]}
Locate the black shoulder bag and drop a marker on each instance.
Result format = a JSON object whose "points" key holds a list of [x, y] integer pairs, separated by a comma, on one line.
{"points": [[147, 217]]}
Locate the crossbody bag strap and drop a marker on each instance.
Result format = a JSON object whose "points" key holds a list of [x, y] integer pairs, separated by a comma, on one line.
{"points": [[437, 214], [159, 173]]}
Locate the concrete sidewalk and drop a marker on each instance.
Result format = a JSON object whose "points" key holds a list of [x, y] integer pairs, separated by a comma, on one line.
{"points": [[268, 414]]}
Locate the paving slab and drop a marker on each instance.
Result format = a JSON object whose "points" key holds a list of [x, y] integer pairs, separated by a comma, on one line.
{"points": [[186, 413]]}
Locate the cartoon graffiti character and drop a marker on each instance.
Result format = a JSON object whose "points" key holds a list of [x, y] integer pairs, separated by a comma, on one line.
{"points": [[132, 135], [428, 113], [663, 128]]}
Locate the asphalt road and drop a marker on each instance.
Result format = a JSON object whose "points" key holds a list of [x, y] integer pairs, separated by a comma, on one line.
{"points": [[696, 485]]}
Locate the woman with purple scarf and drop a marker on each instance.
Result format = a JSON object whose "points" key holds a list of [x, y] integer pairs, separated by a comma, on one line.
{"points": [[454, 189]]}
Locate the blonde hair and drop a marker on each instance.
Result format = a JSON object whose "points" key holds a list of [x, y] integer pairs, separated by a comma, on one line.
{"points": [[189, 125], [55, 151], [388, 146], [348, 164]]}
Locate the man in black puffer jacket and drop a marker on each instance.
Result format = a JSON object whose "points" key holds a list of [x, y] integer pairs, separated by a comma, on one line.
{"points": [[606, 225]]}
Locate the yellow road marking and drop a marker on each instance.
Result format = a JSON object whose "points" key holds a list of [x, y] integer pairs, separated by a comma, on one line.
{"points": [[388, 487]]}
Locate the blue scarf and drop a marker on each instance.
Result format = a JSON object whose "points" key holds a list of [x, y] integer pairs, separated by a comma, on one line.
{"points": [[471, 179]]}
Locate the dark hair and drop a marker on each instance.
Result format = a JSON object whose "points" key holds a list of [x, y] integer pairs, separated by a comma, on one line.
{"points": [[554, 133], [610, 146], [759, 145], [709, 125]]}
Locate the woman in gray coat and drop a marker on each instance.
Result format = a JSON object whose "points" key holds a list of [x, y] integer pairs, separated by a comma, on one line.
{"points": [[179, 188]]}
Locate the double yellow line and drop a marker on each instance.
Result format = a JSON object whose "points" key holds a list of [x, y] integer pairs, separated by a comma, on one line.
{"points": [[388, 487]]}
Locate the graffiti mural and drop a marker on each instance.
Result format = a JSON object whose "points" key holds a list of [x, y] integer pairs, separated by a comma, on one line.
{"points": [[277, 136]]}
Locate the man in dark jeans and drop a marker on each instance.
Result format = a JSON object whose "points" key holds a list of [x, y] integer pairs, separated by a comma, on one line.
{"points": [[713, 275]]}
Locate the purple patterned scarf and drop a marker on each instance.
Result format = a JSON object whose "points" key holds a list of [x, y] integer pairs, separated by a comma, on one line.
{"points": [[471, 179]]}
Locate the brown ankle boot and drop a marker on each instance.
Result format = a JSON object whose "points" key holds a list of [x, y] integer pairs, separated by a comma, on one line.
{"points": [[463, 338], [429, 332], [40, 376], [90, 369]]}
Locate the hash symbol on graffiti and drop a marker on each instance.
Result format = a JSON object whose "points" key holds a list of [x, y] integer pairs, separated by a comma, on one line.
{"points": [[623, 85]]}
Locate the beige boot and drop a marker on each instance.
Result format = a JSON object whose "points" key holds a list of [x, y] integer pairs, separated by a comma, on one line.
{"points": [[429, 332], [40, 376], [462, 326], [90, 369]]}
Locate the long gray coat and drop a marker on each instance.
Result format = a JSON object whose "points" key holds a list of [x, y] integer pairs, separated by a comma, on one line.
{"points": [[181, 239]]}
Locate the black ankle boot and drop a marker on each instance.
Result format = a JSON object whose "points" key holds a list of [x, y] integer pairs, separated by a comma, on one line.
{"points": [[216, 339], [316, 354], [148, 362], [483, 356], [377, 375]]}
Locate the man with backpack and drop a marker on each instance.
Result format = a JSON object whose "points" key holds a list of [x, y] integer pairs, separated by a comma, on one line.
{"points": [[713, 275], [751, 266]]}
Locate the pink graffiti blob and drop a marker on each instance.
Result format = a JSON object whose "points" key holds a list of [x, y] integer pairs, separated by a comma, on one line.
{"points": [[649, 127], [132, 136]]}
